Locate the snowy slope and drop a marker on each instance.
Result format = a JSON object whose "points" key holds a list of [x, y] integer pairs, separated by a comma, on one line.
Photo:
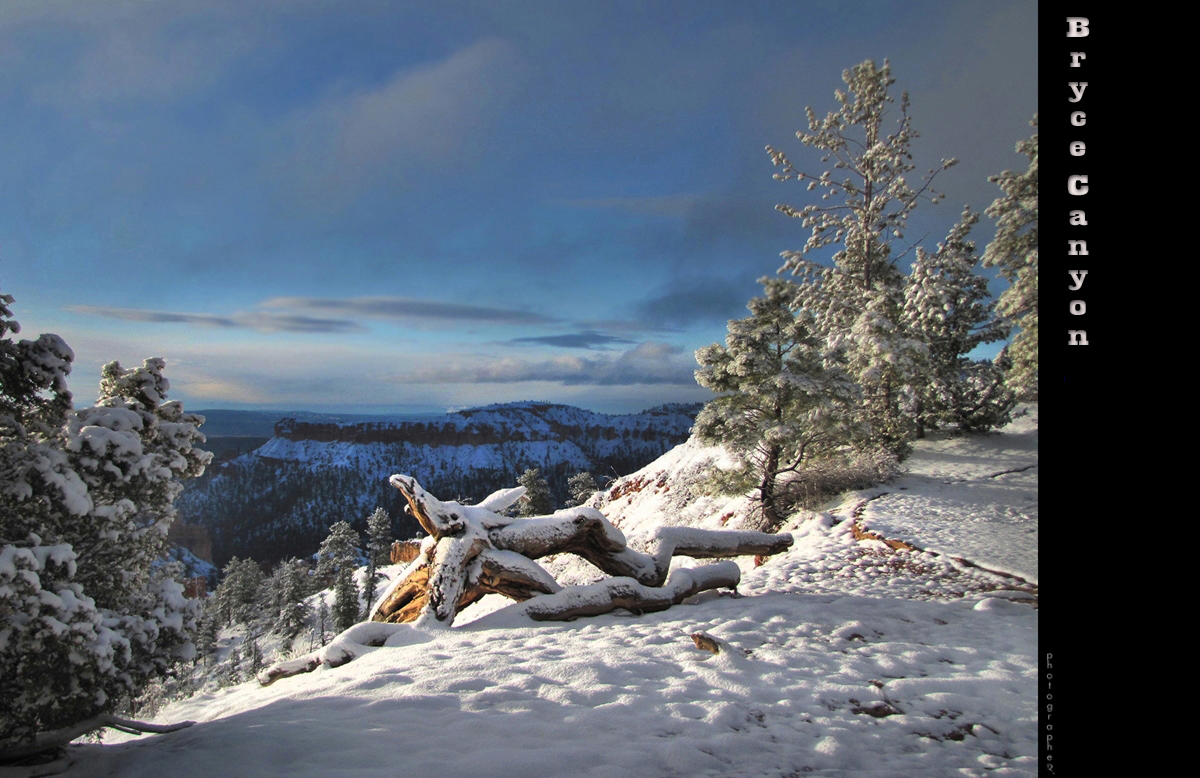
{"points": [[862, 658]]}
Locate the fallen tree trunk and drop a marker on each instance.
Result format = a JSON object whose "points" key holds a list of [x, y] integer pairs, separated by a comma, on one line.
{"points": [[446, 578], [46, 741], [474, 550]]}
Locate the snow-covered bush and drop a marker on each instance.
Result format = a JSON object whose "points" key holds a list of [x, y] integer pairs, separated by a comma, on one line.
{"points": [[89, 612]]}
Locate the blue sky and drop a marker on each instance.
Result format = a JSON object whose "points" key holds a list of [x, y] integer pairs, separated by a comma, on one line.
{"points": [[390, 206]]}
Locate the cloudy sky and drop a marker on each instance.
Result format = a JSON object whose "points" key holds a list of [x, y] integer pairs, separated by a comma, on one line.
{"points": [[402, 206]]}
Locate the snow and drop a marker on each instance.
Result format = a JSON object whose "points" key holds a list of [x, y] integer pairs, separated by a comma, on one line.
{"points": [[972, 496], [851, 656]]}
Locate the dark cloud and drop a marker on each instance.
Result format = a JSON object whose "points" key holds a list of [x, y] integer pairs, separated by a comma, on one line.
{"points": [[588, 339], [262, 322], [646, 363], [411, 308], [694, 301]]}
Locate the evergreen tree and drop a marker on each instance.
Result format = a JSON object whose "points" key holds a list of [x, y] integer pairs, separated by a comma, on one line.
{"points": [[233, 666], [336, 562], [379, 546], [238, 595], [1015, 251], [581, 487], [783, 407], [537, 500], [254, 652], [345, 600], [207, 630], [322, 617], [379, 538], [290, 609], [948, 308], [857, 303], [339, 550], [90, 615]]}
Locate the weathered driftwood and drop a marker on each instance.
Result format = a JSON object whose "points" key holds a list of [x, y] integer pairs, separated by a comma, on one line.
{"points": [[474, 550]]}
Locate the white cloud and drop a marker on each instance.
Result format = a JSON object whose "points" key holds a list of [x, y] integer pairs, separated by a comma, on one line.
{"points": [[646, 363]]}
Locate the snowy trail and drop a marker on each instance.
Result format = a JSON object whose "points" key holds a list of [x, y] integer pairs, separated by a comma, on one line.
{"points": [[970, 497]]}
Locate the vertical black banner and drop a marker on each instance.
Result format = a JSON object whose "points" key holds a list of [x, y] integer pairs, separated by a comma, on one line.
{"points": [[1083, 77]]}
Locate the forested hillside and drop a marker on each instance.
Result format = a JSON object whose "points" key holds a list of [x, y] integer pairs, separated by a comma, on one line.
{"points": [[281, 499]]}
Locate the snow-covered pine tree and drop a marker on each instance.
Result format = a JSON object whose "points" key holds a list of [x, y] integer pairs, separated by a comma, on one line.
{"points": [[291, 613], [322, 618], [233, 666], [207, 629], [338, 550], [537, 501], [336, 562], [346, 609], [581, 486], [254, 652], [379, 545], [88, 613], [783, 408], [239, 596], [947, 306], [1014, 250], [857, 303], [379, 537]]}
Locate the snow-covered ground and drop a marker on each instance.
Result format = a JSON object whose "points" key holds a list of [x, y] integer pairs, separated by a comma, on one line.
{"points": [[974, 497], [844, 654]]}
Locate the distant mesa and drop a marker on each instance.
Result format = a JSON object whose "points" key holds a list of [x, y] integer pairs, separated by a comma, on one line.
{"points": [[508, 423]]}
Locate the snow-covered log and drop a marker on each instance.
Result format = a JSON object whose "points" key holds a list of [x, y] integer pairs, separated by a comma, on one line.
{"points": [[473, 550], [360, 639], [613, 593], [479, 551]]}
